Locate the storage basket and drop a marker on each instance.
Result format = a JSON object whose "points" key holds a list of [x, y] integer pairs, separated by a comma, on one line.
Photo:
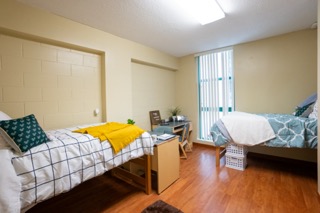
{"points": [[236, 161], [236, 149]]}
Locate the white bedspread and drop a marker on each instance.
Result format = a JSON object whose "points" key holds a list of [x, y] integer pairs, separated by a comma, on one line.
{"points": [[248, 129]]}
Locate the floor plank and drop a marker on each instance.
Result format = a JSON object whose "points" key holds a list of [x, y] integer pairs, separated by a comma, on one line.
{"points": [[266, 185]]}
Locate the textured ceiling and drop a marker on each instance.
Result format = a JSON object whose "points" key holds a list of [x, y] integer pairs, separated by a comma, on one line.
{"points": [[164, 25]]}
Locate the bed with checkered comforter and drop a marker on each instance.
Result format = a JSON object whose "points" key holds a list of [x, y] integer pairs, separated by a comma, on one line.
{"points": [[59, 165]]}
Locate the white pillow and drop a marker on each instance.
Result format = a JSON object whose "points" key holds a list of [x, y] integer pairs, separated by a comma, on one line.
{"points": [[4, 116], [3, 143], [314, 113]]}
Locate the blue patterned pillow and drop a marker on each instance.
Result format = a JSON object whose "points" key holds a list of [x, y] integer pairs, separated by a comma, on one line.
{"points": [[23, 133]]}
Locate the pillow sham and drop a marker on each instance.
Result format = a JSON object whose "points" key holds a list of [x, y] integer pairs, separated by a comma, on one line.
{"points": [[22, 134]]}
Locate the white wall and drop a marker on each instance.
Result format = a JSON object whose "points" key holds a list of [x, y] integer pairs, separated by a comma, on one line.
{"points": [[274, 75], [153, 88]]}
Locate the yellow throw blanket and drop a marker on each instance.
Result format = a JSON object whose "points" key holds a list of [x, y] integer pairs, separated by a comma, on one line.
{"points": [[118, 134]]}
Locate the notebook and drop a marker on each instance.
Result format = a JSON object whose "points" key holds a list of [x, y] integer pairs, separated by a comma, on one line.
{"points": [[165, 136]]}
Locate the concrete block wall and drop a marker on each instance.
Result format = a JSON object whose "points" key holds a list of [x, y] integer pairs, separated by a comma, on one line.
{"points": [[61, 86]]}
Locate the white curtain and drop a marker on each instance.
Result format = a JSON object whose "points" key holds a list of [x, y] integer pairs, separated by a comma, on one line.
{"points": [[215, 87]]}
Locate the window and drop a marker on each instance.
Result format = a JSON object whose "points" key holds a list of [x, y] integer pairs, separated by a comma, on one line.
{"points": [[215, 87]]}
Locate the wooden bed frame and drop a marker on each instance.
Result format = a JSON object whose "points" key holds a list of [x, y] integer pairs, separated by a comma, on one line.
{"points": [[143, 182]]}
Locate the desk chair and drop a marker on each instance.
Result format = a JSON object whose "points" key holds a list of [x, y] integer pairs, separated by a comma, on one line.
{"points": [[183, 140]]}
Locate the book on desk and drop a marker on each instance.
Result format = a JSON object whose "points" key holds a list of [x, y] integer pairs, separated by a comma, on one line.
{"points": [[161, 137], [165, 136]]}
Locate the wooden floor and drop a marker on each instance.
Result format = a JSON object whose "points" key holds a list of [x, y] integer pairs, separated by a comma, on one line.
{"points": [[265, 186]]}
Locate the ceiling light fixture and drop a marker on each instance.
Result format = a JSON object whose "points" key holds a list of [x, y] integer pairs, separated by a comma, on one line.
{"points": [[205, 11]]}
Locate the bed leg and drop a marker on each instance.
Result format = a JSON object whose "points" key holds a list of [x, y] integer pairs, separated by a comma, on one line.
{"points": [[148, 174], [217, 156], [220, 152]]}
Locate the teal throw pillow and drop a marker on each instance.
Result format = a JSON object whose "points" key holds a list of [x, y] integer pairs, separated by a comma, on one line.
{"points": [[23, 133], [300, 110]]}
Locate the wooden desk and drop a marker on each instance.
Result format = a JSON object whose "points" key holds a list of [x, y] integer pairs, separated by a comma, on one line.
{"points": [[166, 163], [176, 128]]}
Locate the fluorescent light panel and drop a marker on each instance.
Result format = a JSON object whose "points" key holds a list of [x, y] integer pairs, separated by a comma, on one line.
{"points": [[205, 11]]}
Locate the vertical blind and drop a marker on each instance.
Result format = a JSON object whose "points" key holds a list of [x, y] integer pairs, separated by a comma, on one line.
{"points": [[215, 87]]}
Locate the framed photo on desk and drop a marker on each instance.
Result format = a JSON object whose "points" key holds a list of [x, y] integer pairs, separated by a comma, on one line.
{"points": [[155, 118]]}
